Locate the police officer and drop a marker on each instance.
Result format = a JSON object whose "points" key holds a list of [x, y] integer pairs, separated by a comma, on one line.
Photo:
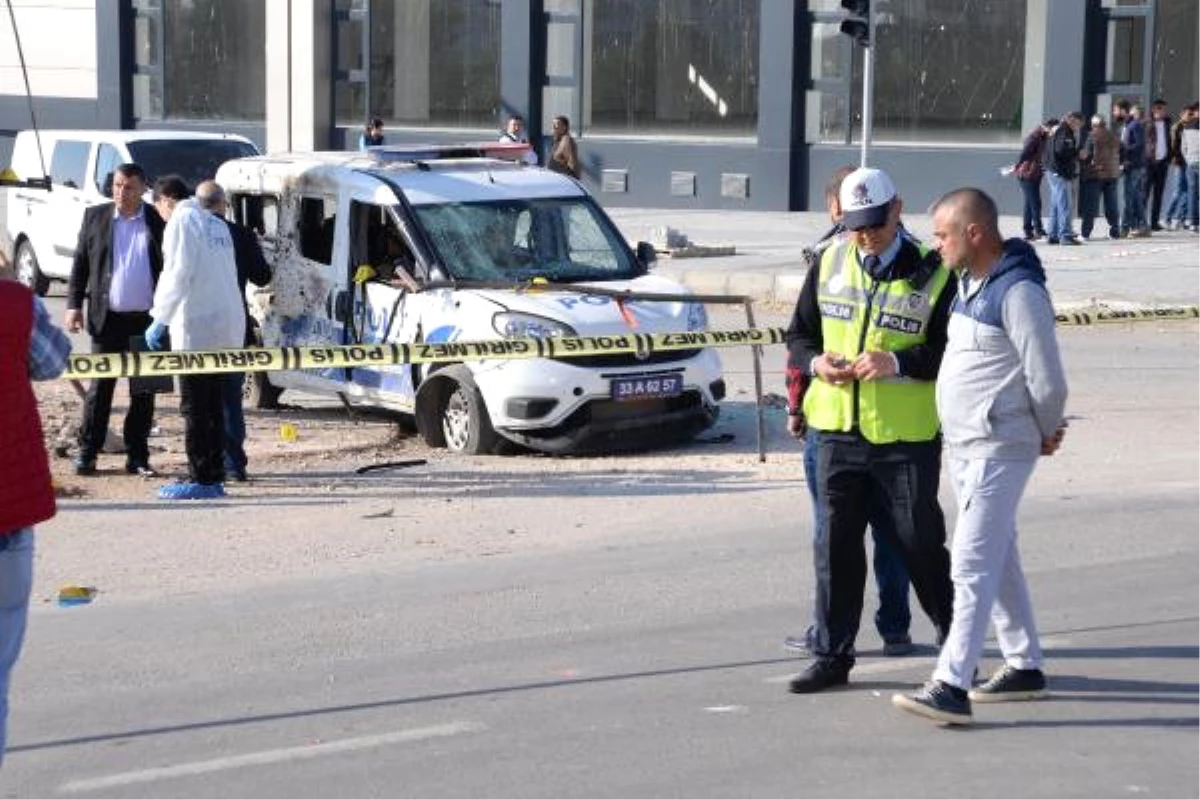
{"points": [[871, 326]]}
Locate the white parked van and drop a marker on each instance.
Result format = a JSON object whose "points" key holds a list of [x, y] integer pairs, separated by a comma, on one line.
{"points": [[403, 244], [43, 226]]}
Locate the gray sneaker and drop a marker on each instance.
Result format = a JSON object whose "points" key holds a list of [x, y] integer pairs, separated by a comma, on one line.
{"points": [[1010, 684]]}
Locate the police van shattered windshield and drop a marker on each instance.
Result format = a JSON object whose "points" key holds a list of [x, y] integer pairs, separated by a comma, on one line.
{"points": [[561, 240]]}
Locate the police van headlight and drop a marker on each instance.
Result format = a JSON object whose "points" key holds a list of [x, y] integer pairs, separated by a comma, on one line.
{"points": [[697, 317], [514, 325]]}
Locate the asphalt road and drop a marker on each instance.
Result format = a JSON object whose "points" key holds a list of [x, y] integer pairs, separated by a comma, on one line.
{"points": [[641, 659]]}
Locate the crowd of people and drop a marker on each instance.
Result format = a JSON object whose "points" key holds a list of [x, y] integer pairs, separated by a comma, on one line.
{"points": [[1129, 162]]}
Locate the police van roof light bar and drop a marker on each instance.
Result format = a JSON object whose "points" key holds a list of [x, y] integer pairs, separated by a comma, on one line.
{"points": [[507, 151]]}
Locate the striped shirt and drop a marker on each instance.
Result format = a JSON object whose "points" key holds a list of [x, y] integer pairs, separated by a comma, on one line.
{"points": [[48, 346]]}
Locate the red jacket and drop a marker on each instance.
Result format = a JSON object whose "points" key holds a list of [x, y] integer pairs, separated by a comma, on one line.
{"points": [[26, 493]]}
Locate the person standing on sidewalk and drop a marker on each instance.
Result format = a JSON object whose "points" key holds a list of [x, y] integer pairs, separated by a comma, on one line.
{"points": [[1133, 165], [514, 133], [198, 300], [1098, 180], [252, 267], [31, 349], [117, 262], [870, 330], [893, 617], [1062, 165], [564, 155], [372, 134], [1189, 146], [1158, 158], [1029, 173], [1176, 215], [1001, 394]]}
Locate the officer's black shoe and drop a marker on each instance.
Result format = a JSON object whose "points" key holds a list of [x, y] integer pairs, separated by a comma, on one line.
{"points": [[85, 465], [937, 701], [820, 675], [142, 468]]}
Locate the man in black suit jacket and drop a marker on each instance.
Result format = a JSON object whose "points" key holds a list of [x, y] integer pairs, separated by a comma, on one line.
{"points": [[117, 263]]}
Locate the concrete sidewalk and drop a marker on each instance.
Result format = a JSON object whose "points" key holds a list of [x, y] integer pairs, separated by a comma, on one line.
{"points": [[1163, 269]]}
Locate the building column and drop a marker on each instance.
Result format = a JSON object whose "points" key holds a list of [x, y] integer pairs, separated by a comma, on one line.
{"points": [[1054, 59], [299, 76], [784, 42], [410, 98], [522, 63]]}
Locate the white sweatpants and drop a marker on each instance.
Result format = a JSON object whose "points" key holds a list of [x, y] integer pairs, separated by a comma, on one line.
{"points": [[985, 567]]}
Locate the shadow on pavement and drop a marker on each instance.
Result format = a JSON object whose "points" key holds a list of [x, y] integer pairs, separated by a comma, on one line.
{"points": [[391, 703]]}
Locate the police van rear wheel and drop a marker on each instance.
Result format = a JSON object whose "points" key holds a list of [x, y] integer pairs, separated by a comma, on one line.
{"points": [[464, 418], [258, 392]]}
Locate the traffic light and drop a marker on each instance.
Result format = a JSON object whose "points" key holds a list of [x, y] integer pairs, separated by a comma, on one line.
{"points": [[858, 24]]}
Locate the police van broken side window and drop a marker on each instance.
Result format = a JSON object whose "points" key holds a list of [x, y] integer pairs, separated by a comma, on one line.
{"points": [[259, 213], [318, 225]]}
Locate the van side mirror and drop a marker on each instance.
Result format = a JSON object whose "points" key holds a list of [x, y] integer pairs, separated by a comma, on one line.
{"points": [[646, 255]]}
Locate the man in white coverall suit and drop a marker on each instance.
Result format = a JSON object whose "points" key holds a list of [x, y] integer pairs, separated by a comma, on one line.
{"points": [[198, 299]]}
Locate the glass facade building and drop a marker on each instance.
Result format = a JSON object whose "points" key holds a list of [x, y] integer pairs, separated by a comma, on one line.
{"points": [[674, 103]]}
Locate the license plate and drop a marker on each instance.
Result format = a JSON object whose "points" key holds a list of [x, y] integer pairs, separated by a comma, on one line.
{"points": [[643, 388]]}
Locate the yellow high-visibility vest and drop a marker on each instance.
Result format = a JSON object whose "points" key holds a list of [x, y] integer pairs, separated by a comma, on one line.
{"points": [[857, 315]]}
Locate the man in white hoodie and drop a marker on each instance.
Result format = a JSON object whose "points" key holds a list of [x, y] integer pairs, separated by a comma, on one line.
{"points": [[1001, 392], [198, 299]]}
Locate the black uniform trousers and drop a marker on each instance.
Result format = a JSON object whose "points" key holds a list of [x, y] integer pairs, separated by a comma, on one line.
{"points": [[202, 403], [894, 487], [118, 327]]}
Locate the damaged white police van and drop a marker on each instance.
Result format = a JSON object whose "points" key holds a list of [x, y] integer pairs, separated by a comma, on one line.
{"points": [[466, 243]]}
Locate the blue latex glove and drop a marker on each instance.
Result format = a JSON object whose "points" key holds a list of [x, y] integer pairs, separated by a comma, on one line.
{"points": [[154, 335]]}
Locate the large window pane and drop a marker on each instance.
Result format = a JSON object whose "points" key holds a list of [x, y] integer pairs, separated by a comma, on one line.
{"points": [[214, 59], [1175, 53], [945, 71], [674, 66], [349, 62], [435, 62], [948, 70], [1125, 49]]}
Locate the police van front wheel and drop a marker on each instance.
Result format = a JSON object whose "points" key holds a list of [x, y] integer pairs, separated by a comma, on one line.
{"points": [[28, 270], [464, 424]]}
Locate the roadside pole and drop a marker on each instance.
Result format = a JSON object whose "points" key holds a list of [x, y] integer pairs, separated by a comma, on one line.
{"points": [[868, 84]]}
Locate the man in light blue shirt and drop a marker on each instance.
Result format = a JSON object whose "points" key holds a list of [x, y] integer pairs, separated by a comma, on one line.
{"points": [[117, 262]]}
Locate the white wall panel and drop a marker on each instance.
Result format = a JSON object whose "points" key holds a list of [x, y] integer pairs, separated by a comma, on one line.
{"points": [[59, 41]]}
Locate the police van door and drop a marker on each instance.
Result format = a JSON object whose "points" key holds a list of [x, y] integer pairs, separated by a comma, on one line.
{"points": [[306, 288], [384, 280]]}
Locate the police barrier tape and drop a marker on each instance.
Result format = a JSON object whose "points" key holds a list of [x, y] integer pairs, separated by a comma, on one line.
{"points": [[264, 359], [1126, 315]]}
